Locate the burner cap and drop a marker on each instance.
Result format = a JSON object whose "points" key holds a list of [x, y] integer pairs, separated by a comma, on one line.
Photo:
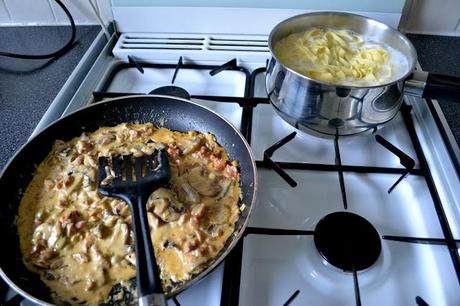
{"points": [[171, 90], [336, 123], [345, 240]]}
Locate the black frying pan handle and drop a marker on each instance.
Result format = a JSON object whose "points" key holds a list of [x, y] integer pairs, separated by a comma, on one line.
{"points": [[442, 87], [148, 277]]}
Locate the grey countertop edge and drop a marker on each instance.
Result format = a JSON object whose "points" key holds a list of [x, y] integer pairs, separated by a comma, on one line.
{"points": [[439, 54], [28, 87]]}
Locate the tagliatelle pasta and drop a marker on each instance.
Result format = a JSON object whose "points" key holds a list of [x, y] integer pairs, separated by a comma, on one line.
{"points": [[338, 57]]}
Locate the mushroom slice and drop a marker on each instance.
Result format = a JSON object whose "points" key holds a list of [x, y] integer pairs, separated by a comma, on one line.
{"points": [[218, 214], [190, 144], [165, 205], [217, 230], [204, 183], [187, 194], [225, 184]]}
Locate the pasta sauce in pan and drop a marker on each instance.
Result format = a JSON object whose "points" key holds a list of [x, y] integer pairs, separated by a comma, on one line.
{"points": [[81, 243]]}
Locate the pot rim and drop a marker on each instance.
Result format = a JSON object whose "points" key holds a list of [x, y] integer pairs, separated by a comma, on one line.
{"points": [[411, 58]]}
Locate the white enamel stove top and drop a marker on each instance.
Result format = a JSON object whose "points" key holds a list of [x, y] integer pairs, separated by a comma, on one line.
{"points": [[277, 267], [196, 82], [287, 269]]}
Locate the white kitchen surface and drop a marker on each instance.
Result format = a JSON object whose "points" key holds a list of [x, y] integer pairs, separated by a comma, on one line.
{"points": [[359, 150], [274, 267], [407, 211], [205, 292], [196, 82]]}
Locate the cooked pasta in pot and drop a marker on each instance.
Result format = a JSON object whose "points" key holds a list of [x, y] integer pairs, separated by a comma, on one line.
{"points": [[338, 57], [81, 243]]}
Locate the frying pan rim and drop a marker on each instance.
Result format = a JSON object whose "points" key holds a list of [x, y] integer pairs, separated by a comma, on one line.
{"points": [[412, 59], [229, 248]]}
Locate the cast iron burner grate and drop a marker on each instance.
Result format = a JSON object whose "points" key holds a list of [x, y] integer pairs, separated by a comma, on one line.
{"points": [[232, 272], [347, 241]]}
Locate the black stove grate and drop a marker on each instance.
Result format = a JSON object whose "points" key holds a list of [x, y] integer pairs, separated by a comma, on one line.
{"points": [[338, 163], [232, 273], [291, 298], [245, 102], [232, 269]]}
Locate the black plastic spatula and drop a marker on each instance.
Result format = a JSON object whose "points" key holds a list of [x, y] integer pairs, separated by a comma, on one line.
{"points": [[134, 186]]}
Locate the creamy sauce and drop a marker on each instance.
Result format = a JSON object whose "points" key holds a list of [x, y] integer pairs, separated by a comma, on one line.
{"points": [[81, 244]]}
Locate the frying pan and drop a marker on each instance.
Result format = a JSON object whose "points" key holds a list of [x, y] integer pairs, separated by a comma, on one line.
{"points": [[173, 113]]}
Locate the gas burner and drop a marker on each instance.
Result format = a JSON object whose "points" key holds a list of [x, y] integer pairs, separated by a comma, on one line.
{"points": [[171, 90], [347, 241]]}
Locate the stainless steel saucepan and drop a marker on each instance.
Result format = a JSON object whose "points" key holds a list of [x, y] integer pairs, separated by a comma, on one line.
{"points": [[314, 106]]}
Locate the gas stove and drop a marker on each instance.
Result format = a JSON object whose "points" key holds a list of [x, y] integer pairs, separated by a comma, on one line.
{"points": [[369, 219]]}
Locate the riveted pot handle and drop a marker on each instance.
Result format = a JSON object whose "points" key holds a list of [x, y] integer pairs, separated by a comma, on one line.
{"points": [[443, 87]]}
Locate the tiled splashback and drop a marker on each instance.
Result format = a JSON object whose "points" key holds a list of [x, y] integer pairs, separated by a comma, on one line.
{"points": [[433, 17], [425, 17], [47, 12]]}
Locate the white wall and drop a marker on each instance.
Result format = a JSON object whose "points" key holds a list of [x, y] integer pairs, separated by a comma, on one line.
{"points": [[440, 17], [47, 12]]}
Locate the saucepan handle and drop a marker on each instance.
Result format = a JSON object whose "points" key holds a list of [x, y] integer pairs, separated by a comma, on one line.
{"points": [[433, 86], [440, 86]]}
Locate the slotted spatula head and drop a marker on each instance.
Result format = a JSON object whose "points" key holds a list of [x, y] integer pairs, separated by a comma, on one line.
{"points": [[133, 180], [128, 176]]}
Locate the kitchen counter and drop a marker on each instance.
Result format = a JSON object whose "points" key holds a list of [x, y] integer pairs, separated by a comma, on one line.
{"points": [[27, 87], [439, 54]]}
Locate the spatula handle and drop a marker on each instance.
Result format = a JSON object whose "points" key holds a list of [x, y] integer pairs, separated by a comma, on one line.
{"points": [[155, 299], [148, 278]]}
